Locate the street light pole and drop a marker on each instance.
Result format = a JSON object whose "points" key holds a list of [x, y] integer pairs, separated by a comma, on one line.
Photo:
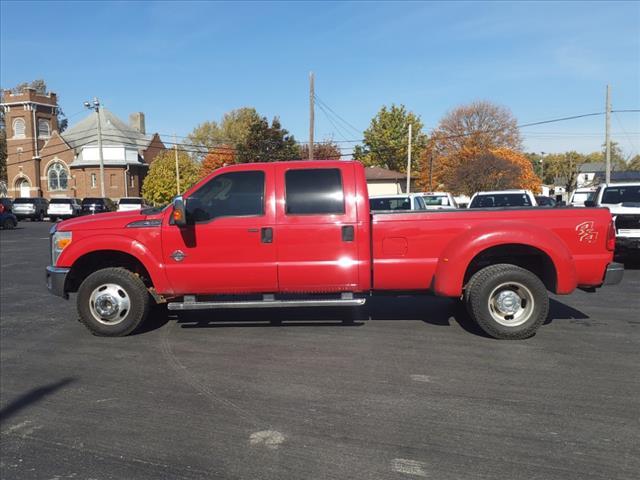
{"points": [[95, 105]]}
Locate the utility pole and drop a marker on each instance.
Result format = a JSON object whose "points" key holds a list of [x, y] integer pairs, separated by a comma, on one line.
{"points": [[607, 137], [311, 114], [409, 162], [175, 148], [96, 106]]}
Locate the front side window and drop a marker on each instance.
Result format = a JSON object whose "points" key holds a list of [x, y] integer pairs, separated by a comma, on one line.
{"points": [[314, 191], [44, 130], [57, 177], [93, 180], [19, 128], [234, 194]]}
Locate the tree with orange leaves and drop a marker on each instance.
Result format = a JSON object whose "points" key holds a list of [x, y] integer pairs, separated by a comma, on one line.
{"points": [[474, 170], [217, 157], [475, 147]]}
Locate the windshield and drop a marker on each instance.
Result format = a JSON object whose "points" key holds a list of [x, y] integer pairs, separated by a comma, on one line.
{"points": [[61, 200], [130, 201], [23, 200], [501, 200], [400, 203], [615, 195], [581, 197]]}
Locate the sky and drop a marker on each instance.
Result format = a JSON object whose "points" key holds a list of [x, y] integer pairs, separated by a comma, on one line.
{"points": [[184, 63]]}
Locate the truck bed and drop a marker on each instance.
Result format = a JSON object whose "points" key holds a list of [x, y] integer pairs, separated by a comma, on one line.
{"points": [[409, 248]]}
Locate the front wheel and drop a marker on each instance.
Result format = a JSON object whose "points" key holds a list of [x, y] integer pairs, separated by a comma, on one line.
{"points": [[112, 302], [507, 301]]}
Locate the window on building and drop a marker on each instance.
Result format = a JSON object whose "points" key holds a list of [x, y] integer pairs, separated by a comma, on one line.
{"points": [[237, 194], [132, 181], [314, 191], [19, 128], [57, 177], [44, 131], [112, 180], [93, 180]]}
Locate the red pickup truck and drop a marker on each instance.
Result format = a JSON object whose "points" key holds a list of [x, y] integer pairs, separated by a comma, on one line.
{"points": [[296, 234]]}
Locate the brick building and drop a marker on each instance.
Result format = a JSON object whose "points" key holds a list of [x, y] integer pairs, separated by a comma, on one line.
{"points": [[43, 162]]}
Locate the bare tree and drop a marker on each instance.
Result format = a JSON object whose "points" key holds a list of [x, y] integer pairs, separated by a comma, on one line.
{"points": [[481, 125]]}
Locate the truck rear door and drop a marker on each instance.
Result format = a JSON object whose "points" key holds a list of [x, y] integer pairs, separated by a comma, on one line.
{"points": [[316, 227]]}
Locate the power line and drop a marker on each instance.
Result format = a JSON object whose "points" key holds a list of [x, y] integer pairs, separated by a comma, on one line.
{"points": [[355, 129]]}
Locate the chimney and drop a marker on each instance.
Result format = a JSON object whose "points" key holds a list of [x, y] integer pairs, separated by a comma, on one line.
{"points": [[136, 120]]}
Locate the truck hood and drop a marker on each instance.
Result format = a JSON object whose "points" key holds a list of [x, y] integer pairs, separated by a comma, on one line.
{"points": [[624, 208], [105, 221]]}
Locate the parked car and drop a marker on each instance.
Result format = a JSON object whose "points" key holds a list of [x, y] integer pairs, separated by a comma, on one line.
{"points": [[7, 204], [623, 201], [127, 204], [581, 195], [91, 205], [301, 234], [410, 201], [63, 208], [34, 208], [543, 201], [8, 220], [503, 199], [438, 200]]}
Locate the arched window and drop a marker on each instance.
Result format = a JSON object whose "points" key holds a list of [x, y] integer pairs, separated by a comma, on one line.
{"points": [[44, 130], [58, 177], [19, 128]]}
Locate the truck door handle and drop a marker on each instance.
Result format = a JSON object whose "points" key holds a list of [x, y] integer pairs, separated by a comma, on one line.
{"points": [[348, 233], [266, 235]]}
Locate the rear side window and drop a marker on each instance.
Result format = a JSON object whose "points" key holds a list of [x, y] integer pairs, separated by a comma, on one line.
{"points": [[314, 191], [501, 200], [382, 204], [234, 194]]}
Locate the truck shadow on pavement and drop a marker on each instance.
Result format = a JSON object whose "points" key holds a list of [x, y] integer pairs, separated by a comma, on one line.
{"points": [[32, 396], [436, 311]]}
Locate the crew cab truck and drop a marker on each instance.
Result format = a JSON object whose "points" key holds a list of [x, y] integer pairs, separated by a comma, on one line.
{"points": [[300, 233], [623, 201]]}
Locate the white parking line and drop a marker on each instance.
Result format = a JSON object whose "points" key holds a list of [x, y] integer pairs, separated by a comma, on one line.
{"points": [[409, 467]]}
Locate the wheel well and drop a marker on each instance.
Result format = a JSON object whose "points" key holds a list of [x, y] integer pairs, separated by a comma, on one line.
{"points": [[91, 262], [525, 256]]}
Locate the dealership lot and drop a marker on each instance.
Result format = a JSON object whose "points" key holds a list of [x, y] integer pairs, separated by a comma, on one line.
{"points": [[413, 392]]}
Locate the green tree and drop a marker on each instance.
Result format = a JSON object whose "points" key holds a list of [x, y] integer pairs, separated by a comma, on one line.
{"points": [[232, 130], [634, 163], [327, 150], [159, 185], [386, 140], [267, 143]]}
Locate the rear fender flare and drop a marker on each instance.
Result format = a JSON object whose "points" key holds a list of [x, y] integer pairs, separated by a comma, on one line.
{"points": [[456, 257]]}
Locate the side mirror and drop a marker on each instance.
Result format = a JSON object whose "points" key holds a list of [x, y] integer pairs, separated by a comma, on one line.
{"points": [[179, 214], [589, 203]]}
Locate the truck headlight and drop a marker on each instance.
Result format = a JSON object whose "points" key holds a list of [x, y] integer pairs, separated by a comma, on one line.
{"points": [[59, 241]]}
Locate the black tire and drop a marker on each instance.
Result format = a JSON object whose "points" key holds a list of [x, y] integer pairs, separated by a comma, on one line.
{"points": [[53, 219], [41, 216], [129, 286], [8, 224], [483, 290]]}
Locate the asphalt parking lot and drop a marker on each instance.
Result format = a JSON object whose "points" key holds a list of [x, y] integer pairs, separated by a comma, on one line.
{"points": [[413, 392]]}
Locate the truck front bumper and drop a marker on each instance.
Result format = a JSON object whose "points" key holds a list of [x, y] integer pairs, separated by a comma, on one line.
{"points": [[56, 278], [614, 274]]}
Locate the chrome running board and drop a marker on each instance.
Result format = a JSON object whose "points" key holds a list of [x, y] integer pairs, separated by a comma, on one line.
{"points": [[268, 301]]}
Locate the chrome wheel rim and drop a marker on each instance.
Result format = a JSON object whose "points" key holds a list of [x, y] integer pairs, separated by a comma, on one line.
{"points": [[109, 304], [511, 304]]}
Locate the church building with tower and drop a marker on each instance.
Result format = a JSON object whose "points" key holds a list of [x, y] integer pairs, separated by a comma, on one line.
{"points": [[41, 162]]}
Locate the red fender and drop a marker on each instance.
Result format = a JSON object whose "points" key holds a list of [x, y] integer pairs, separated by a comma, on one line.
{"points": [[119, 243], [457, 256]]}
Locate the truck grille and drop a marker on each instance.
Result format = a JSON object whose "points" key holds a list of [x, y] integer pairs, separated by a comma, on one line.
{"points": [[628, 222]]}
